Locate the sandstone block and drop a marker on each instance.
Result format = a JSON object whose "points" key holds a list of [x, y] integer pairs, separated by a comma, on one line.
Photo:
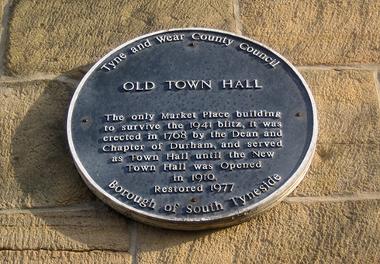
{"points": [[347, 104], [342, 168], [342, 232], [60, 36], [36, 168], [57, 257], [316, 31], [82, 228]]}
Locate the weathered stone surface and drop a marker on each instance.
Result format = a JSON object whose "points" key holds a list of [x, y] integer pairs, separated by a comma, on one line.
{"points": [[316, 31], [92, 227], [346, 232], [36, 168], [347, 105], [55, 257], [56, 36], [2, 6], [342, 168], [348, 153]]}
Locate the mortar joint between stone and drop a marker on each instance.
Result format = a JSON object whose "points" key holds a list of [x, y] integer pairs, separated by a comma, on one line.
{"points": [[237, 16], [133, 241], [337, 67], [376, 76], [4, 33]]}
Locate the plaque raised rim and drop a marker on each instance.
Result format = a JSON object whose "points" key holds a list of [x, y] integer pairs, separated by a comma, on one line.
{"points": [[235, 217]]}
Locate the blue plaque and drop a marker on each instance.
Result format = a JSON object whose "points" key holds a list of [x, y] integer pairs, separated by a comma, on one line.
{"points": [[192, 128]]}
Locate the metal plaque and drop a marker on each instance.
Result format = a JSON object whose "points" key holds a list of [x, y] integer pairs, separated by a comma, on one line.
{"points": [[192, 128]]}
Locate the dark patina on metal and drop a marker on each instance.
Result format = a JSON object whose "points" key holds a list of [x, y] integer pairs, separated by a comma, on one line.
{"points": [[192, 128]]}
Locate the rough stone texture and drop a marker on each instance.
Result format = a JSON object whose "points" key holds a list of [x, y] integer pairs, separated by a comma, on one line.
{"points": [[58, 36], [2, 6], [36, 168], [33, 114], [74, 229], [335, 214], [56, 257], [316, 31], [347, 105], [342, 168], [347, 232], [348, 153]]}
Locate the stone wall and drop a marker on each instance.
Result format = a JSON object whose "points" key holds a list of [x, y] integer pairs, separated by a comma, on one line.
{"points": [[49, 216]]}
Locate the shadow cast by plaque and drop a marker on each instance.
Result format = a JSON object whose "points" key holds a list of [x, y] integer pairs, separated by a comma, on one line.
{"points": [[59, 199]]}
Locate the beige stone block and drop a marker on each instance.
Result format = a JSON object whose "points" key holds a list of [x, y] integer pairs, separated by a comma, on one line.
{"points": [[347, 105], [59, 36], [348, 150], [2, 6], [82, 228], [57, 257], [342, 168], [36, 168], [316, 31], [342, 232]]}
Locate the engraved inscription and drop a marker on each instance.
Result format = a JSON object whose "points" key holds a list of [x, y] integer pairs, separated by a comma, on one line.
{"points": [[194, 149], [192, 85], [192, 126]]}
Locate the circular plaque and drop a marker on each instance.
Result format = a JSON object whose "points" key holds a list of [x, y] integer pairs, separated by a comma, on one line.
{"points": [[192, 128]]}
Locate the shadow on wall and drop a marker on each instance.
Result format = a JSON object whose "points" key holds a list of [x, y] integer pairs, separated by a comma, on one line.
{"points": [[71, 219], [45, 171], [40, 155]]}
